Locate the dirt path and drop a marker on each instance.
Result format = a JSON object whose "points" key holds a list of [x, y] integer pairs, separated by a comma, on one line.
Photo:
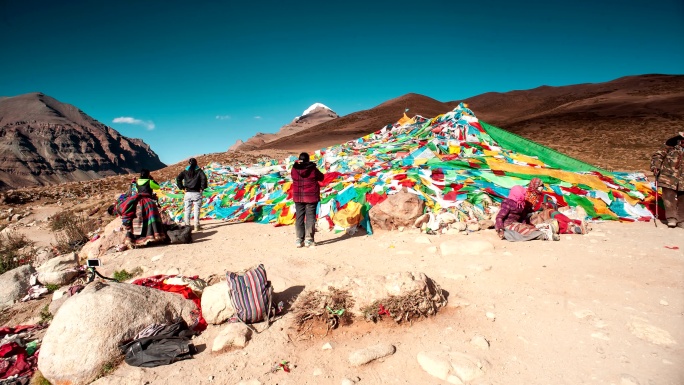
{"points": [[605, 308], [602, 309]]}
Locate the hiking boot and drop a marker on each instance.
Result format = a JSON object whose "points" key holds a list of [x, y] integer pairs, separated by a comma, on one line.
{"points": [[672, 223], [299, 243], [197, 227], [309, 243]]}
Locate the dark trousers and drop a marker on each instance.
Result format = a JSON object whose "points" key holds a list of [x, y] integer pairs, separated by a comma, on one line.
{"points": [[674, 204], [305, 222]]}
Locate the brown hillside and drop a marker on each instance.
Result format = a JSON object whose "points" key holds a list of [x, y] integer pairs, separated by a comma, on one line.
{"points": [[358, 124], [615, 125]]}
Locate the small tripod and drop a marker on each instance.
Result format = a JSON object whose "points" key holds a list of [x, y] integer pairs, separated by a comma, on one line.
{"points": [[91, 272]]}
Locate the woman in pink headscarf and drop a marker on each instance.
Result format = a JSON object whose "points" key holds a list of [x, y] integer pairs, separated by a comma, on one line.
{"points": [[513, 216]]}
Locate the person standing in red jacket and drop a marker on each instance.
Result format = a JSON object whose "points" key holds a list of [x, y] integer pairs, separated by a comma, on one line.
{"points": [[306, 193]]}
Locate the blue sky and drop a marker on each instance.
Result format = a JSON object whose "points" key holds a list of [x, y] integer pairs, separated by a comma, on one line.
{"points": [[196, 76]]}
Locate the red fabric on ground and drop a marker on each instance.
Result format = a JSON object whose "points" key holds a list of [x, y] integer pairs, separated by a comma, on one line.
{"points": [[18, 329], [329, 177], [157, 282], [10, 349], [20, 365]]}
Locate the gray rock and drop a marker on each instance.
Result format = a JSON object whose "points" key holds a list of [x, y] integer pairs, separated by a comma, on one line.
{"points": [[216, 304], [56, 304], [233, 335], [85, 333], [365, 290], [43, 255], [364, 356], [480, 342], [398, 210], [452, 367], [628, 379], [108, 240], [59, 270], [14, 284]]}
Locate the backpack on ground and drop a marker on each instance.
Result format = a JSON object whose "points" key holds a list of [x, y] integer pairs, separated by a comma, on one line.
{"points": [[179, 234], [252, 295], [170, 344]]}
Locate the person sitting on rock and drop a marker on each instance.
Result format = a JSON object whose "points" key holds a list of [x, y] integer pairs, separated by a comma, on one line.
{"points": [[512, 221]]}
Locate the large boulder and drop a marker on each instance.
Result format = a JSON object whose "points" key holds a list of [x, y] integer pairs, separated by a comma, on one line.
{"points": [[14, 284], [367, 289], [398, 210], [110, 238], [84, 335], [216, 304], [59, 270]]}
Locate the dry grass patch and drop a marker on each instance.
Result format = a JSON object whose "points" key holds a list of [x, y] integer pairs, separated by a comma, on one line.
{"points": [[331, 308], [71, 231], [409, 307], [15, 250]]}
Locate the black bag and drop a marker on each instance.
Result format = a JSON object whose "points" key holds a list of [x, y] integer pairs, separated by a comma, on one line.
{"points": [[180, 234], [171, 344]]}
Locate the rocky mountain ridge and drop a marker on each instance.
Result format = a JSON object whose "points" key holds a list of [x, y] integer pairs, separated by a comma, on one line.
{"points": [[314, 115], [44, 141]]}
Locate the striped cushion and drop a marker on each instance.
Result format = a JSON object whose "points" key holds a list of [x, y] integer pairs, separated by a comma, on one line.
{"points": [[250, 292]]}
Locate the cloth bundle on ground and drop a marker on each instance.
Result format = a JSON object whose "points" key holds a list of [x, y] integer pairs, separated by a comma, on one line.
{"points": [[251, 294], [161, 282], [18, 358], [170, 344]]}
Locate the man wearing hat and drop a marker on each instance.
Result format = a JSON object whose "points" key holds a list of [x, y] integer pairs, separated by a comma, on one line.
{"points": [[667, 165]]}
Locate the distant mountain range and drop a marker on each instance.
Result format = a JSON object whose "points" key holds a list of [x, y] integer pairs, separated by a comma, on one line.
{"points": [[44, 141], [316, 114], [615, 125]]}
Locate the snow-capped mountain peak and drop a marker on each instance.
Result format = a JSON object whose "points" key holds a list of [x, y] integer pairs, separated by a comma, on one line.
{"points": [[313, 107]]}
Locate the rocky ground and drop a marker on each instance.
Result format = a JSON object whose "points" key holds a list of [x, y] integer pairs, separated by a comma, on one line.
{"points": [[604, 308]]}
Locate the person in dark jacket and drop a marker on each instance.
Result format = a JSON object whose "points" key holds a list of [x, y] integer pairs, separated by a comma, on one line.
{"points": [[146, 184], [306, 193], [667, 165], [193, 181]]}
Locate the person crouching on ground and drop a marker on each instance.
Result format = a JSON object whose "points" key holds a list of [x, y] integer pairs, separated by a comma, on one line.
{"points": [[513, 216], [193, 181], [306, 193], [667, 165], [146, 184]]}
